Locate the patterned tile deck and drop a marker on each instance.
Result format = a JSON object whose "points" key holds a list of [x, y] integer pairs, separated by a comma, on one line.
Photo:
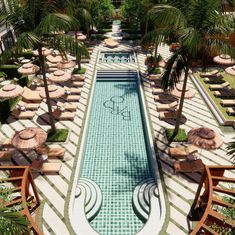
{"points": [[180, 188]]}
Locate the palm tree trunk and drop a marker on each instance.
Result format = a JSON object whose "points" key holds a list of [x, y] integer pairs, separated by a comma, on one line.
{"points": [[179, 113], [78, 57], [155, 51], [48, 99]]}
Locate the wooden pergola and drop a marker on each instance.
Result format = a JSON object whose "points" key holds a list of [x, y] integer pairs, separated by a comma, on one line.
{"points": [[21, 184], [211, 194]]}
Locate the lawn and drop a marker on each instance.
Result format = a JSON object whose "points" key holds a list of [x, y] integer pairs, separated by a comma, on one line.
{"points": [[59, 136], [216, 100]]}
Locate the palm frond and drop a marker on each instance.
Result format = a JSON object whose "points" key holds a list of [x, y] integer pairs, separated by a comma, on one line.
{"points": [[167, 16], [231, 150], [54, 22], [177, 64], [12, 222]]}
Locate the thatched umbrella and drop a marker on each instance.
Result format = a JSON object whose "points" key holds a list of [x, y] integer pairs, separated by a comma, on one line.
{"points": [[28, 69], [205, 138], [54, 91], [224, 60], [59, 76], [230, 70], [54, 59], [45, 51], [10, 91], [189, 93], [66, 64], [29, 138]]}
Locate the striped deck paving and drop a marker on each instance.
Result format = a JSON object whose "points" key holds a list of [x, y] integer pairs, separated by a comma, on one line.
{"points": [[180, 188]]}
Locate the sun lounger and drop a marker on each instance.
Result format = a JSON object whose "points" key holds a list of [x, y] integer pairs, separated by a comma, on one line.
{"points": [[77, 77], [182, 151], [167, 115], [231, 111], [189, 166], [209, 74], [64, 115], [30, 95], [214, 80], [227, 102], [66, 106], [170, 106], [45, 167], [72, 90], [219, 86], [229, 93], [51, 151], [23, 114], [5, 155], [156, 91], [154, 77], [156, 83], [163, 97], [77, 83], [28, 106], [71, 98]]}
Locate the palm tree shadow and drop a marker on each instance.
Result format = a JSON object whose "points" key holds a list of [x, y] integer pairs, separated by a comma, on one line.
{"points": [[128, 89], [136, 172]]}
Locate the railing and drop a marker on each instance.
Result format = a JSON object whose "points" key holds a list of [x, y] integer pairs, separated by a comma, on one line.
{"points": [[21, 178], [211, 177]]}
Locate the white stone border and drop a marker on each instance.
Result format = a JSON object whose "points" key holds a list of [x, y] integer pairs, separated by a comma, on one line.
{"points": [[80, 224], [152, 225]]}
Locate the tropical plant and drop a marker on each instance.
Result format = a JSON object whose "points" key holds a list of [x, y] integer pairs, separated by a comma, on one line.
{"points": [[101, 12], [231, 150], [200, 32], [36, 22], [11, 222]]}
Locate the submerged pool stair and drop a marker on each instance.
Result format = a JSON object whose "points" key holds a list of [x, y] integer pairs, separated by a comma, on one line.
{"points": [[141, 198], [93, 196], [127, 75]]}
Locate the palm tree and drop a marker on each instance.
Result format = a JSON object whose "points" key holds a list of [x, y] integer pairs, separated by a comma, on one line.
{"points": [[34, 21], [201, 32], [231, 150], [80, 11]]}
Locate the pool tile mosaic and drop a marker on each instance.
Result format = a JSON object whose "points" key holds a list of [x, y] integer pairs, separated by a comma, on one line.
{"points": [[115, 155]]}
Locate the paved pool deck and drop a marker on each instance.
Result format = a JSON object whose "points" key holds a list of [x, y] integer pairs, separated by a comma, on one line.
{"points": [[180, 188]]}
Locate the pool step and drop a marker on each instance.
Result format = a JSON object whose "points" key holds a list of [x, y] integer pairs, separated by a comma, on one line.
{"points": [[141, 197], [116, 74], [93, 194]]}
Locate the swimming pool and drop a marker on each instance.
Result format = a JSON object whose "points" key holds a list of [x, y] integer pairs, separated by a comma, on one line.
{"points": [[117, 57], [115, 162]]}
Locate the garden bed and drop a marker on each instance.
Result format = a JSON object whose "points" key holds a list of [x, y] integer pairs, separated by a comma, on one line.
{"points": [[214, 102]]}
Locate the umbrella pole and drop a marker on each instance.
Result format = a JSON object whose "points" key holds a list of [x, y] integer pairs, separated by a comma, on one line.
{"points": [[48, 100]]}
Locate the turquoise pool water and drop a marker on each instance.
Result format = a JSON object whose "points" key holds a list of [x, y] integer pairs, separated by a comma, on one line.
{"points": [[115, 154], [120, 57]]}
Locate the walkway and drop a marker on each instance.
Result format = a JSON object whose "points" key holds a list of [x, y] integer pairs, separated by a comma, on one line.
{"points": [[181, 188]]}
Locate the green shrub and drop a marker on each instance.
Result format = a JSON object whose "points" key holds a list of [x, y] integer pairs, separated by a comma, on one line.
{"points": [[28, 55], [3, 75], [154, 70], [23, 81], [98, 37], [180, 137], [102, 31], [4, 110], [10, 71], [79, 71], [59, 136]]}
